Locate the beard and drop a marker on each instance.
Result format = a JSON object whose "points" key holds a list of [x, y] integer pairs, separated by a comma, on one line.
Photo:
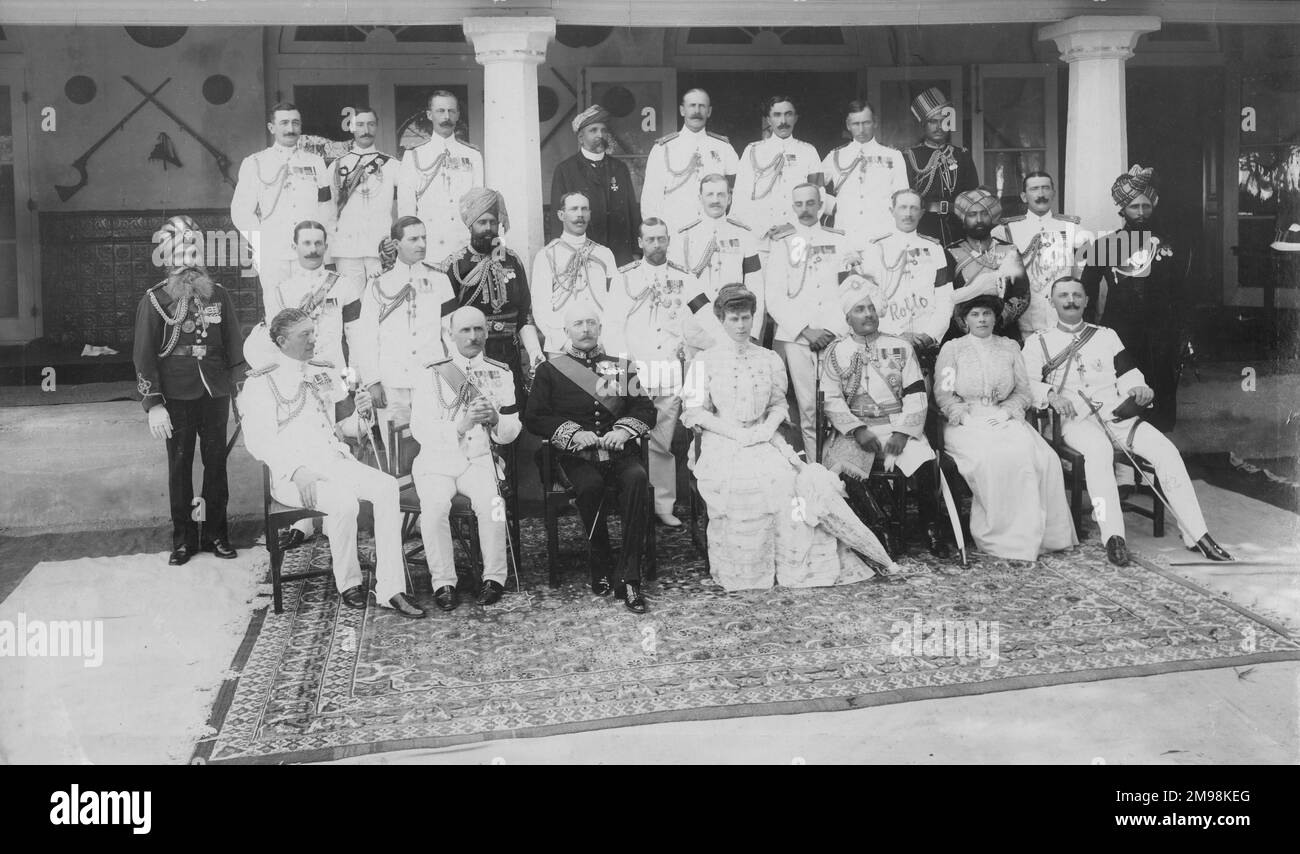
{"points": [[979, 232], [482, 243], [185, 282]]}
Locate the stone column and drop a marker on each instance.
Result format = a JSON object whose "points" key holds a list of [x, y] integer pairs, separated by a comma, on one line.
{"points": [[1096, 135], [510, 49]]}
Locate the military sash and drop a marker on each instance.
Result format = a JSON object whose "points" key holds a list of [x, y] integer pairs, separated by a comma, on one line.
{"points": [[313, 299], [598, 388], [455, 378], [1066, 356]]}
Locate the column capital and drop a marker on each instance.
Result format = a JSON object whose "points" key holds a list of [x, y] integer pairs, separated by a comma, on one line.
{"points": [[509, 38], [1098, 36]]}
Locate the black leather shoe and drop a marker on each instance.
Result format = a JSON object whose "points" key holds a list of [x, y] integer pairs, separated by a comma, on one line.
{"points": [[937, 543], [447, 598], [1117, 551], [180, 556], [490, 592], [634, 599], [1212, 550], [601, 586], [222, 549], [292, 539], [354, 597], [402, 604]]}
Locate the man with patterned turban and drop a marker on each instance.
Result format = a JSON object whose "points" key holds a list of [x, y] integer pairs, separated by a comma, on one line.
{"points": [[489, 276], [189, 358], [875, 398], [605, 181], [936, 168], [984, 264], [1134, 278]]}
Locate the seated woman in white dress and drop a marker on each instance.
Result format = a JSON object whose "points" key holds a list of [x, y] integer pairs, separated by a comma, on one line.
{"points": [[1020, 509], [772, 518]]}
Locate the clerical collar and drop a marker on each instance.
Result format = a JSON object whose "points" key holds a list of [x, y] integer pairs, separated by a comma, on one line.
{"points": [[1071, 330], [594, 158], [574, 240]]}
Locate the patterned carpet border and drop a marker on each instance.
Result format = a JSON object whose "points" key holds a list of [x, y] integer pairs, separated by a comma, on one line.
{"points": [[241, 720]]}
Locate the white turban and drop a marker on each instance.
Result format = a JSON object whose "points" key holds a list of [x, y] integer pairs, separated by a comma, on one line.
{"points": [[858, 288]]}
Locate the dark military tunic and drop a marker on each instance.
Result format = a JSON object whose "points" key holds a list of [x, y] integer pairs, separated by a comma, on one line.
{"points": [[499, 289], [940, 175]]}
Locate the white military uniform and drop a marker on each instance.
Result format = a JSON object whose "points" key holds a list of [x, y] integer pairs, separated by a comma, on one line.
{"points": [[430, 182], [673, 171], [566, 271], [647, 305], [277, 189], [717, 251], [401, 331], [319, 292], [803, 276], [912, 271], [1092, 371], [769, 171], [366, 215], [288, 417], [450, 463], [863, 178], [1047, 245], [877, 386]]}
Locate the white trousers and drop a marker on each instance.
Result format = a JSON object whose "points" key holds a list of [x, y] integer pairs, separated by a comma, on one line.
{"points": [[347, 482], [1087, 437], [801, 365], [478, 484], [663, 465]]}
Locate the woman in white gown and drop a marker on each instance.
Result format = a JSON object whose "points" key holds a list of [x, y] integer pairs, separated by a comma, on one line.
{"points": [[772, 518], [1020, 509]]}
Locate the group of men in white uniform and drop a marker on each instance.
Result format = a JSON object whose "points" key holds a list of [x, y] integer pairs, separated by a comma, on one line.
{"points": [[709, 218]]}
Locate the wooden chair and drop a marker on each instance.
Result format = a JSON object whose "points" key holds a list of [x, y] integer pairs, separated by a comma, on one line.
{"points": [[1048, 424], [276, 516], [556, 502], [699, 510], [401, 449]]}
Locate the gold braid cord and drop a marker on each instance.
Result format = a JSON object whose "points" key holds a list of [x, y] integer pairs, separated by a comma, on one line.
{"points": [[684, 175], [846, 172], [942, 161], [487, 280], [567, 278], [429, 174], [776, 168]]}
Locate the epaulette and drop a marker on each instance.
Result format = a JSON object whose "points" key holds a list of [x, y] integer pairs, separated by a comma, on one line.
{"points": [[691, 224], [718, 136], [884, 236], [437, 361], [469, 145], [444, 265], [832, 230], [1009, 219], [258, 372], [933, 240], [159, 285], [1068, 218], [997, 239], [502, 365], [320, 363], [664, 140], [781, 232], [739, 224], [845, 145], [677, 267], [630, 265]]}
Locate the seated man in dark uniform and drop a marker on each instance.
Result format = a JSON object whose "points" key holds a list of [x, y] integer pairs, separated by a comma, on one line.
{"points": [[589, 405]]}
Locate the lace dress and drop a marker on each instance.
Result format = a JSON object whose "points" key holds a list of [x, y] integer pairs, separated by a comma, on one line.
{"points": [[1020, 509], [763, 527]]}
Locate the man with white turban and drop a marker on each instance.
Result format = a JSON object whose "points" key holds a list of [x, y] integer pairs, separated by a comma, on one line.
{"points": [[605, 180]]}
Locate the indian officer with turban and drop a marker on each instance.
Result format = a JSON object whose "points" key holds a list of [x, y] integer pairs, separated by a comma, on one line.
{"points": [[936, 168], [984, 265], [606, 182], [1134, 281], [875, 398], [489, 276]]}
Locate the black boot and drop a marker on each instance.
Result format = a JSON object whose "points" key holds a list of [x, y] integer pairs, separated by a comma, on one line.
{"points": [[1212, 550], [870, 512]]}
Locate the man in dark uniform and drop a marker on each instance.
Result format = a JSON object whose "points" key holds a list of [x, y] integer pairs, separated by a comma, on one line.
{"points": [[936, 168], [490, 277], [985, 265], [605, 181], [189, 357], [589, 405], [1135, 279]]}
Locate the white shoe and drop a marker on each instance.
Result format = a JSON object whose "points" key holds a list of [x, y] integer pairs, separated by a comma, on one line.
{"points": [[668, 520]]}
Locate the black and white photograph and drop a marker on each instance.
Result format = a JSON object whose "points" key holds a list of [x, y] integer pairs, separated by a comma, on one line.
{"points": [[598, 382]]}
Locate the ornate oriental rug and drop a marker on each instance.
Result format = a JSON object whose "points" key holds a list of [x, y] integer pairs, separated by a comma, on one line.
{"points": [[323, 681]]}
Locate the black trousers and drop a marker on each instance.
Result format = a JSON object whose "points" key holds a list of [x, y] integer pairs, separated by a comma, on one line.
{"points": [[206, 419], [589, 481]]}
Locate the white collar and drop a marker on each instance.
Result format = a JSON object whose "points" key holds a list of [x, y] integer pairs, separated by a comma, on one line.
{"points": [[370, 150], [594, 158], [704, 131], [1071, 330], [283, 151], [410, 268], [1033, 217], [576, 241], [465, 362]]}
